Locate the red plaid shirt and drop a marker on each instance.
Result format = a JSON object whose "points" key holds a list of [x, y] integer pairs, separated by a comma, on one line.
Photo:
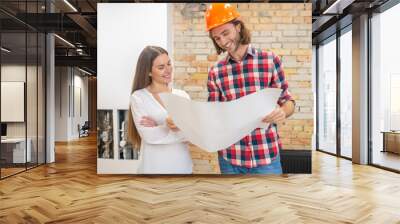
{"points": [[229, 80]]}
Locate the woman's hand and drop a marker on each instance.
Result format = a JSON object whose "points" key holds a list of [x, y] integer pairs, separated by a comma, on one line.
{"points": [[171, 125], [148, 122]]}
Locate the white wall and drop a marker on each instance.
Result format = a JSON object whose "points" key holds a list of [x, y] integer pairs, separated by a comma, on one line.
{"points": [[15, 73], [80, 82], [67, 79], [33, 127], [12, 73], [61, 103], [123, 30], [12, 101]]}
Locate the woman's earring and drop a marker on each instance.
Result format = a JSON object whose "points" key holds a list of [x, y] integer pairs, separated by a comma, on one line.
{"points": [[150, 74]]}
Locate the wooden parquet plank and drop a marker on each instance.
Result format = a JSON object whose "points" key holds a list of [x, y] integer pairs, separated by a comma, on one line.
{"points": [[70, 191]]}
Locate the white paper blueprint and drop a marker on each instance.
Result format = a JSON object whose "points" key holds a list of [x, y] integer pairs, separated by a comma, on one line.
{"points": [[217, 125]]}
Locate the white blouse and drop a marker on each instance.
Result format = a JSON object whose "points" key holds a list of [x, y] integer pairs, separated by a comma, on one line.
{"points": [[162, 150]]}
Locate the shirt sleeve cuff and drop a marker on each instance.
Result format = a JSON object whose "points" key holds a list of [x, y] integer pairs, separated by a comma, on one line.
{"points": [[283, 100]]}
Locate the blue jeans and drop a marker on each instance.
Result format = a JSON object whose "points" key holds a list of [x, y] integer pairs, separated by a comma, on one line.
{"points": [[273, 168]]}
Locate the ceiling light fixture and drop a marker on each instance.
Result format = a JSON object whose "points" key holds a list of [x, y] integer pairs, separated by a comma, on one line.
{"points": [[80, 51], [65, 41], [70, 5], [84, 71], [5, 50], [337, 7]]}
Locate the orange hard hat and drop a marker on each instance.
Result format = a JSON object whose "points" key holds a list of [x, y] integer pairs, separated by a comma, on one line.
{"points": [[220, 13]]}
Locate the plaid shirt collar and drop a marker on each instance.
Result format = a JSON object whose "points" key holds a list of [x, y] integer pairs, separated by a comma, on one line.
{"points": [[250, 51]]}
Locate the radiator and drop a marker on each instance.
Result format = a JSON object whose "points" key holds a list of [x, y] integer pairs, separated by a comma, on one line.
{"points": [[296, 161]]}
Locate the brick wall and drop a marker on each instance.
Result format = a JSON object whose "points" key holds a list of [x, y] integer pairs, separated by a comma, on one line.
{"points": [[283, 28]]}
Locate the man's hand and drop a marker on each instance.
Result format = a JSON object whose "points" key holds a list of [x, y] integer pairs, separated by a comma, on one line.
{"points": [[281, 113], [276, 116], [171, 125], [148, 122]]}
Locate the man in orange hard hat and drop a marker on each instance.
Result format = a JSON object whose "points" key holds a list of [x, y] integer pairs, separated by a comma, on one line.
{"points": [[243, 71]]}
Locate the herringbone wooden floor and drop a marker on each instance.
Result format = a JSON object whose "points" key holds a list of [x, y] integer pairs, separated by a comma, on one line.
{"points": [[70, 191]]}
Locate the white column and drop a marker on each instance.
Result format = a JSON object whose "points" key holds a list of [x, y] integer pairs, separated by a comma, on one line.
{"points": [[360, 90], [50, 99]]}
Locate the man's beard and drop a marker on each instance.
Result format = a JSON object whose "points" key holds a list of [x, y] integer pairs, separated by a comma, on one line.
{"points": [[236, 43]]}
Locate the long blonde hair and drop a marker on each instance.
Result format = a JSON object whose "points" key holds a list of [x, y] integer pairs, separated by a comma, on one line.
{"points": [[140, 81]]}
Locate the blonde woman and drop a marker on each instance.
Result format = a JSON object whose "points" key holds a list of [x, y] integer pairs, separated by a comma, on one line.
{"points": [[163, 149]]}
